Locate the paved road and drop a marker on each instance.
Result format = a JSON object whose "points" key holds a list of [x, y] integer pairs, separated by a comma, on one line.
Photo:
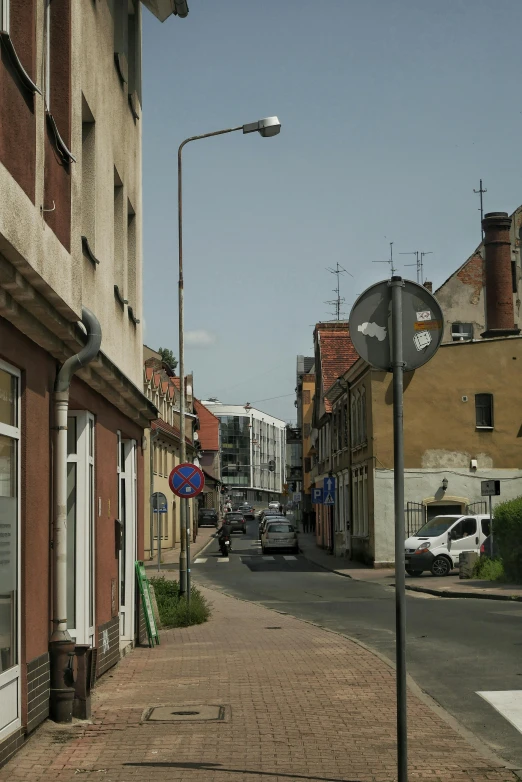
{"points": [[455, 647]]}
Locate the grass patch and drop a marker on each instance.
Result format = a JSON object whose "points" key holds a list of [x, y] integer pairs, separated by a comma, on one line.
{"points": [[174, 610], [489, 569]]}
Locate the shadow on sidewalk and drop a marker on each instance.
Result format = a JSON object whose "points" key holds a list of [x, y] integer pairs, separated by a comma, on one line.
{"points": [[219, 767]]}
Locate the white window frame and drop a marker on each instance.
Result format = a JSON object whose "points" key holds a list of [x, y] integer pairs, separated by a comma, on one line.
{"points": [[14, 673], [4, 16], [129, 472], [84, 632]]}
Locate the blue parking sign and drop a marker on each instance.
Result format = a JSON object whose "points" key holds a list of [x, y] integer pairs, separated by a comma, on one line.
{"points": [[329, 491], [317, 496]]}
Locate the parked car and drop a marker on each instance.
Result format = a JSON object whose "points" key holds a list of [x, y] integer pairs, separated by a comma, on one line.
{"points": [[438, 544], [279, 534], [237, 522], [274, 504], [270, 514], [207, 517]]}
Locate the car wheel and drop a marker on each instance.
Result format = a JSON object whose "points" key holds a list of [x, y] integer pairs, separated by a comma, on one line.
{"points": [[441, 566], [244, 531], [413, 573]]}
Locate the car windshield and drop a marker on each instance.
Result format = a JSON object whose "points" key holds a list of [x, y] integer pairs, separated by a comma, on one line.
{"points": [[436, 526], [280, 528]]}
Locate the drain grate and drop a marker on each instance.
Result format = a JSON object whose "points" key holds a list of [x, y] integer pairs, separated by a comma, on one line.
{"points": [[187, 713], [273, 628]]}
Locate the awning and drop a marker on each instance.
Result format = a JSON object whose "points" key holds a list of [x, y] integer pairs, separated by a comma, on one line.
{"points": [[162, 9]]}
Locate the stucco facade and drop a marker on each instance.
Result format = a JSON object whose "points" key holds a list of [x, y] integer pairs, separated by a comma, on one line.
{"points": [[443, 439], [70, 238]]}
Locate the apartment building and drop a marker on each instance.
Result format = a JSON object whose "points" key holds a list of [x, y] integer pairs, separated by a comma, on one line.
{"points": [[72, 412]]}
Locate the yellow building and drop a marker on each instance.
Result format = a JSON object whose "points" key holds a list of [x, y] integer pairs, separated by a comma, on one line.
{"points": [[163, 453]]}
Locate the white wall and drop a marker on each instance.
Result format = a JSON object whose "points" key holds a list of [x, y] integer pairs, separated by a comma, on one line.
{"points": [[421, 485]]}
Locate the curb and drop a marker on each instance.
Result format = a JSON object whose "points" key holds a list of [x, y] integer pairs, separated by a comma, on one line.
{"points": [[476, 596], [424, 590]]}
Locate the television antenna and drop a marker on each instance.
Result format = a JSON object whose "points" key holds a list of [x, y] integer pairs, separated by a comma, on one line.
{"points": [[339, 300], [390, 261]]}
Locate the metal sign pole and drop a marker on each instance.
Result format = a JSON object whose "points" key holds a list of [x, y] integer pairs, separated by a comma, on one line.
{"points": [[490, 515], [160, 530], [397, 284]]}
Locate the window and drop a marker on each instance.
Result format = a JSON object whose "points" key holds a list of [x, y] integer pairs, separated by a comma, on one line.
{"points": [[132, 271], [307, 464], [306, 397], [4, 16], [464, 529], [120, 219], [88, 183], [360, 502], [307, 430], [461, 332], [9, 549], [484, 411]]}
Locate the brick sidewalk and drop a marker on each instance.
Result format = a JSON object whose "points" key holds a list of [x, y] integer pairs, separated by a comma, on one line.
{"points": [[305, 704]]}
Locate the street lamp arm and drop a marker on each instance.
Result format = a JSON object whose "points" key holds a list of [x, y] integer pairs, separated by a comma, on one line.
{"points": [[206, 135]]}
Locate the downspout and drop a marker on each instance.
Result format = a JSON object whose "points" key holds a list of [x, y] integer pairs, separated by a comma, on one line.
{"points": [[61, 646]]}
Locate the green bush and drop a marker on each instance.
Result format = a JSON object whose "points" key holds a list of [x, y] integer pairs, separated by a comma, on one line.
{"points": [[173, 609], [507, 531], [488, 569]]}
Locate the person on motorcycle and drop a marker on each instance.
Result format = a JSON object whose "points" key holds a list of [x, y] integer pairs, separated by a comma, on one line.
{"points": [[225, 533]]}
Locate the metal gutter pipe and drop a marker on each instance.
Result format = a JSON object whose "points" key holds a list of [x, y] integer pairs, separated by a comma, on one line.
{"points": [[61, 646]]}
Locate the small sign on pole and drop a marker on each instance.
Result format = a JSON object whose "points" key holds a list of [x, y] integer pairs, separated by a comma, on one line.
{"points": [[490, 489], [329, 491], [144, 587]]}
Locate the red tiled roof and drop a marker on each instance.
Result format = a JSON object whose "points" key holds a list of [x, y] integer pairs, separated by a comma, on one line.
{"points": [[208, 427], [337, 354]]}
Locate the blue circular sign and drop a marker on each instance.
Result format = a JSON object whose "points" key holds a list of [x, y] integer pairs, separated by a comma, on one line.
{"points": [[186, 480]]}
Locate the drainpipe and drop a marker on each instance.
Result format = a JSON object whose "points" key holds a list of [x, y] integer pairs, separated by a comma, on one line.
{"points": [[61, 646], [153, 436]]}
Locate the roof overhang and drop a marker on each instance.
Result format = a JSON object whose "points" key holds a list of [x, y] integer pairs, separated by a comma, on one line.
{"points": [[162, 9]]}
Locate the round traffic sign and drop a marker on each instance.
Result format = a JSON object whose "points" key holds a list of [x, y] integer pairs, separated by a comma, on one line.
{"points": [[186, 480], [371, 325]]}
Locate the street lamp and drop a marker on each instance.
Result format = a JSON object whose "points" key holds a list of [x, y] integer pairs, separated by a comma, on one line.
{"points": [[270, 126]]}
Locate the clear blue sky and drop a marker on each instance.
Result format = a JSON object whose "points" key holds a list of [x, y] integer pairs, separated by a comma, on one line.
{"points": [[391, 112]]}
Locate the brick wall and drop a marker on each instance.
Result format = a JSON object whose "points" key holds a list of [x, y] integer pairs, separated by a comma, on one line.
{"points": [[37, 691], [473, 273], [11, 744]]}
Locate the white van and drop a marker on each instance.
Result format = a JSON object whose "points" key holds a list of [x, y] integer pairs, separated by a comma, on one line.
{"points": [[437, 545]]}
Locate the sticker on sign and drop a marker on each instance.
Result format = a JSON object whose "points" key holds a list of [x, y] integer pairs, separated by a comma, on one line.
{"points": [[424, 315]]}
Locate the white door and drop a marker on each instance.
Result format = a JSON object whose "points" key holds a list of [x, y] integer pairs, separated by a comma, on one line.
{"points": [[128, 520], [80, 527], [9, 550], [464, 537]]}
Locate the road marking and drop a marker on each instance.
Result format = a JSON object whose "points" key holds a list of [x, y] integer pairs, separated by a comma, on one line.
{"points": [[289, 558], [508, 703], [267, 557], [223, 559], [200, 561]]}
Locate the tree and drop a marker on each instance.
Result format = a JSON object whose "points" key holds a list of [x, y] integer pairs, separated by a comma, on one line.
{"points": [[168, 357]]}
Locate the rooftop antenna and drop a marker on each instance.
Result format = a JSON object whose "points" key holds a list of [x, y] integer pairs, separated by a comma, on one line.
{"points": [[419, 263], [337, 290], [390, 261], [480, 192]]}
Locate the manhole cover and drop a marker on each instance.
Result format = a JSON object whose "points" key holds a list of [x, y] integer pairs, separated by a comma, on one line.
{"points": [[189, 713]]}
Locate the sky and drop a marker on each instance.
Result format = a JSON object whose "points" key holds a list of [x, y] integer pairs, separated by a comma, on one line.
{"points": [[391, 113]]}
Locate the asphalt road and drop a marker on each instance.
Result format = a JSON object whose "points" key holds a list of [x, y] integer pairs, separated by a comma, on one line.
{"points": [[455, 647]]}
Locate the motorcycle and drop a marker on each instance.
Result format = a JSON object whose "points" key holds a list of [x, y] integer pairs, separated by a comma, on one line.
{"points": [[225, 546]]}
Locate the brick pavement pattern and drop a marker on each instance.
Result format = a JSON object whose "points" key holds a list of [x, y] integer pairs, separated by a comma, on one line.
{"points": [[306, 705]]}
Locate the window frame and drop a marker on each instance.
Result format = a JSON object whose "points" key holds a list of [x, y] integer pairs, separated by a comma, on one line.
{"points": [[485, 426], [15, 672], [5, 17], [84, 631]]}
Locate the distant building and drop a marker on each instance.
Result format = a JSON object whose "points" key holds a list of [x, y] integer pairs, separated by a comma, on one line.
{"points": [[250, 442], [305, 388]]}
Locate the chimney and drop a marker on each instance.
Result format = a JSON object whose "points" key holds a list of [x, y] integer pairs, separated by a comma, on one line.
{"points": [[500, 316], [428, 286]]}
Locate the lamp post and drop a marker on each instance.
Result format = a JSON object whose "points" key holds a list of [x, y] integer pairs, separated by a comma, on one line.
{"points": [[267, 127]]}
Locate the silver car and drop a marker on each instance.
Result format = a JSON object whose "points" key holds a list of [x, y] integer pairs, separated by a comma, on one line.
{"points": [[279, 534]]}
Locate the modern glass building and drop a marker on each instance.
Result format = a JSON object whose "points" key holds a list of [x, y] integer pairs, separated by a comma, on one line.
{"points": [[251, 442]]}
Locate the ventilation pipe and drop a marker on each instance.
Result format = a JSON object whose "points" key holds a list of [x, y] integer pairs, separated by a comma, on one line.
{"points": [[61, 646]]}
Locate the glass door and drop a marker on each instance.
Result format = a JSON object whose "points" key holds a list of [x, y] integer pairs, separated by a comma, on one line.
{"points": [[9, 550], [80, 527]]}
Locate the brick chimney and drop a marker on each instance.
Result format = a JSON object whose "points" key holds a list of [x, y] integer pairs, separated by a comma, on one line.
{"points": [[500, 316], [428, 286]]}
